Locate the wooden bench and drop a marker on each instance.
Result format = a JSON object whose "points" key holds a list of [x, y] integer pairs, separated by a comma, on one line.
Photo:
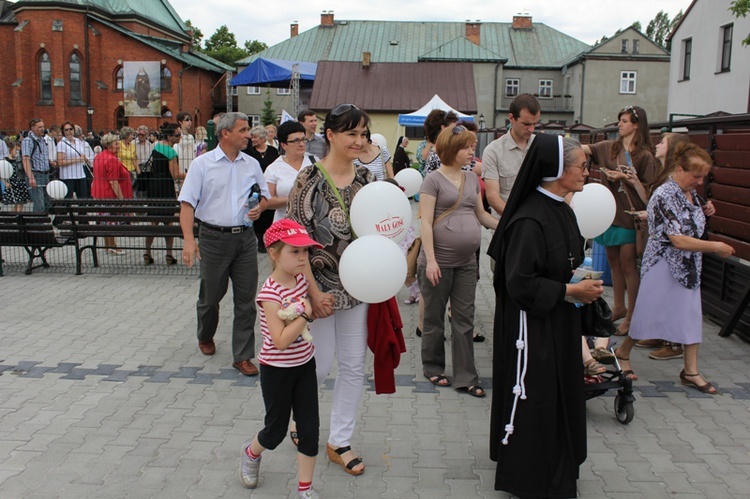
{"points": [[80, 220], [34, 232]]}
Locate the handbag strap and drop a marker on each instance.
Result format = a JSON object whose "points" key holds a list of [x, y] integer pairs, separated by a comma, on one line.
{"points": [[458, 200], [336, 193]]}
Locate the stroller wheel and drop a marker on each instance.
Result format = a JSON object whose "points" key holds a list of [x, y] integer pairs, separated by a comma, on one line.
{"points": [[624, 412]]}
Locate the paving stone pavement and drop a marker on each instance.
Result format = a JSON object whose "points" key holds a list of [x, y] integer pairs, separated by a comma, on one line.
{"points": [[104, 394]]}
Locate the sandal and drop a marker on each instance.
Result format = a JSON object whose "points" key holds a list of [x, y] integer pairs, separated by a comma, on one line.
{"points": [[438, 380], [147, 259], [334, 455], [411, 300], [708, 388], [628, 373], [479, 338], [621, 315], [593, 368], [474, 391], [170, 260], [603, 356]]}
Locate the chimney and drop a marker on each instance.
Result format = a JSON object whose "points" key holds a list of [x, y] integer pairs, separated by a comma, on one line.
{"points": [[473, 31], [366, 59], [522, 21], [326, 18], [294, 29]]}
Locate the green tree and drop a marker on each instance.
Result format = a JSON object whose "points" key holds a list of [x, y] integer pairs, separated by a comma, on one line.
{"points": [[637, 26], [254, 46], [222, 46], [197, 36], [661, 26], [268, 113], [740, 8]]}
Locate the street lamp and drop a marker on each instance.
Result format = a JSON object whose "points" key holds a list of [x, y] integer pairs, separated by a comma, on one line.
{"points": [[481, 121], [89, 117]]}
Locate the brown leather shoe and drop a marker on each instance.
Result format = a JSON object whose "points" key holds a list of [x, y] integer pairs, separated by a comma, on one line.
{"points": [[207, 348], [246, 367]]}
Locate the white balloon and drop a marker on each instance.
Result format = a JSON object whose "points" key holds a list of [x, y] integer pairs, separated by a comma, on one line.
{"points": [[595, 209], [6, 169], [379, 140], [410, 179], [372, 269], [381, 208], [57, 189]]}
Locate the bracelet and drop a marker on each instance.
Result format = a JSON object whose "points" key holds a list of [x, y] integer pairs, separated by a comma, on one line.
{"points": [[306, 317]]}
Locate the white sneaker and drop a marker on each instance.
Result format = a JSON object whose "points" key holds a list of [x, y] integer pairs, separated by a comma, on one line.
{"points": [[249, 469], [308, 494]]}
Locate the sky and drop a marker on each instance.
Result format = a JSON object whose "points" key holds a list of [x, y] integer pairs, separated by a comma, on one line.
{"points": [[582, 19]]}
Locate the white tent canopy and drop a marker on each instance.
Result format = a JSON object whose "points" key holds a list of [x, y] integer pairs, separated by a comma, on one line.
{"points": [[417, 117]]}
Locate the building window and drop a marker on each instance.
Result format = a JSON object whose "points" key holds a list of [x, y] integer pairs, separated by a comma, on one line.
{"points": [[627, 82], [253, 90], [254, 120], [726, 47], [624, 48], [119, 77], [45, 77], [545, 89], [234, 91], [636, 44], [687, 54], [166, 79], [283, 91], [120, 119], [74, 68], [511, 86], [57, 25]]}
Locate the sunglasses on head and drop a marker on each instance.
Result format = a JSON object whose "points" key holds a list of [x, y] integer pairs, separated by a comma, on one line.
{"points": [[458, 129], [342, 109], [632, 110]]}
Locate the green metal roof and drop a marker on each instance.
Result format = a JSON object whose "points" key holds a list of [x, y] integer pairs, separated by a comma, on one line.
{"points": [[461, 49], [173, 49], [412, 41], [158, 12]]}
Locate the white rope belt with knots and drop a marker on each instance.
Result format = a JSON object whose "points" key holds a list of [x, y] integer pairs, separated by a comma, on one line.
{"points": [[522, 364]]}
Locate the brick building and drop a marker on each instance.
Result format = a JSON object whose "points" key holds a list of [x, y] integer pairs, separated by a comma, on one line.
{"points": [[63, 60]]}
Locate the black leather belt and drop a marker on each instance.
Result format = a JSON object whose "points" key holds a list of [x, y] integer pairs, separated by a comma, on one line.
{"points": [[237, 229]]}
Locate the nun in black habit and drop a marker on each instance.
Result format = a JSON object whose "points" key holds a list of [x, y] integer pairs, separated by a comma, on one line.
{"points": [[538, 422]]}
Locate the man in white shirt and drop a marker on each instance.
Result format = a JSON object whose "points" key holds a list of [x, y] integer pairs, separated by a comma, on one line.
{"points": [[186, 146], [502, 158], [216, 191]]}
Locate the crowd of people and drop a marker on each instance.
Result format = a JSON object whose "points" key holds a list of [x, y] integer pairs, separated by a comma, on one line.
{"points": [[520, 189]]}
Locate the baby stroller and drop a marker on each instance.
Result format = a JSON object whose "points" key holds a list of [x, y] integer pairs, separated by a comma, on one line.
{"points": [[612, 379]]}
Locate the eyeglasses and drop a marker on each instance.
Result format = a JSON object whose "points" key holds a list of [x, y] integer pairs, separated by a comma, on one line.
{"points": [[583, 167], [295, 141], [342, 109], [67, 129], [187, 119], [632, 110]]}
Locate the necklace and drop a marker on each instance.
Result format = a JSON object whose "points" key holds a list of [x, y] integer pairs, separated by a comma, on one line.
{"points": [[454, 180]]}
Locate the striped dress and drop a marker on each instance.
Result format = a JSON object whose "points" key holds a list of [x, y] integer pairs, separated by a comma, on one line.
{"points": [[298, 352]]}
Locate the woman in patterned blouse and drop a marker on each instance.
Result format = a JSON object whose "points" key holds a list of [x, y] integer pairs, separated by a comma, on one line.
{"points": [[320, 201], [669, 302]]}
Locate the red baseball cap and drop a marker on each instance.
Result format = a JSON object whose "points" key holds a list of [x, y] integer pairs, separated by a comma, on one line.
{"points": [[290, 232]]}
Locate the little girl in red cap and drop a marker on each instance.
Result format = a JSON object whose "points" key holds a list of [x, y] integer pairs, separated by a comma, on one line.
{"points": [[287, 365]]}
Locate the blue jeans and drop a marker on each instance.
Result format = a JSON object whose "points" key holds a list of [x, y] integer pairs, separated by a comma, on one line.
{"points": [[38, 194]]}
